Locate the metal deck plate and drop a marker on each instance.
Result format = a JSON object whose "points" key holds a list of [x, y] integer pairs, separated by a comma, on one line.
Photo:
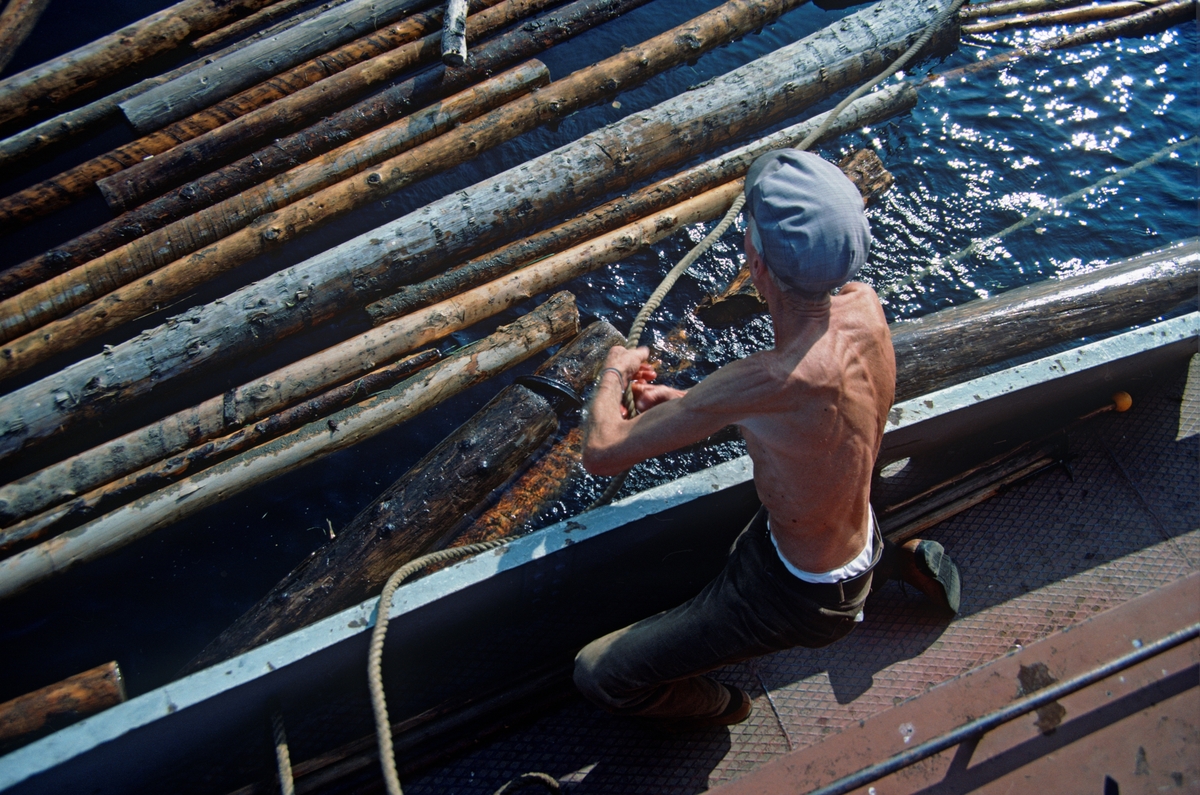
{"points": [[1122, 519]]}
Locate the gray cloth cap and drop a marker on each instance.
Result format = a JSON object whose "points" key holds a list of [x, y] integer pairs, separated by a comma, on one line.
{"points": [[806, 219]]}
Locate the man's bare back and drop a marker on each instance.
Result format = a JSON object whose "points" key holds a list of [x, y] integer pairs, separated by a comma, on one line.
{"points": [[812, 411]]}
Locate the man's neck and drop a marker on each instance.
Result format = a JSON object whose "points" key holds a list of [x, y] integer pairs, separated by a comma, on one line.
{"points": [[795, 316]]}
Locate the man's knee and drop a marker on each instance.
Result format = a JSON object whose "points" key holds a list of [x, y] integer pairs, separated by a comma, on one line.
{"points": [[589, 673]]}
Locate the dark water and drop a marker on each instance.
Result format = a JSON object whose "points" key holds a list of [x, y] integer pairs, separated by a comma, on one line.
{"points": [[975, 157]]}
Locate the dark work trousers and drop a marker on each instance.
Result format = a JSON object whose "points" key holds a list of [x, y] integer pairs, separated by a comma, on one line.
{"points": [[655, 667]]}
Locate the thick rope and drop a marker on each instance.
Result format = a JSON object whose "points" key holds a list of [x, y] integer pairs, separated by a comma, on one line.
{"points": [[283, 758], [656, 298]]}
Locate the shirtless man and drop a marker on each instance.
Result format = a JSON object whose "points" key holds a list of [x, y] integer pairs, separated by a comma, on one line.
{"points": [[812, 411]]}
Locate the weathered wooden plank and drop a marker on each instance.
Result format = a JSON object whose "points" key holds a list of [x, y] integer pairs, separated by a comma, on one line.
{"points": [[351, 274], [225, 76], [417, 512], [553, 322]]}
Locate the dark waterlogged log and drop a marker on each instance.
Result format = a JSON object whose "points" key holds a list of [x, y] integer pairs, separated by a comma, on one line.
{"points": [[63, 703], [28, 493], [404, 250], [417, 512], [16, 23], [203, 154], [48, 85], [657, 196], [34, 309], [74, 183], [225, 76], [555, 321], [454, 33]]}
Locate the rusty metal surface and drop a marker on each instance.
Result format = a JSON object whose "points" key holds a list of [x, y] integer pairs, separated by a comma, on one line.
{"points": [[1120, 519]]}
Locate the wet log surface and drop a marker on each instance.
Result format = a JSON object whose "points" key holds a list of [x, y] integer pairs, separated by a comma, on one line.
{"points": [[202, 154], [48, 85], [61, 704], [16, 23], [76, 182], [772, 87], [652, 198], [33, 312], [555, 321], [225, 76], [21, 498], [417, 512], [948, 346]]}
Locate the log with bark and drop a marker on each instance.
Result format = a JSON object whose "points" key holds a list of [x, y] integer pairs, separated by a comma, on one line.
{"points": [[62, 189], [555, 321], [404, 250], [287, 11], [297, 148], [61, 704], [972, 11], [226, 413], [22, 496], [32, 309], [1066, 16], [52, 83], [203, 154], [70, 123], [224, 77], [869, 109], [454, 33], [16, 23], [422, 508]]}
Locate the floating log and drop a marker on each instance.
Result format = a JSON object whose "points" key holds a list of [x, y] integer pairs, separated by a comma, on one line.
{"points": [[24, 494], [288, 10], [237, 407], [62, 189], [1066, 16], [937, 350], [303, 146], [216, 147], [354, 272], [997, 7], [417, 512], [71, 123], [33, 309], [867, 110], [48, 85], [454, 33], [226, 76], [16, 23], [555, 321], [61, 704]]}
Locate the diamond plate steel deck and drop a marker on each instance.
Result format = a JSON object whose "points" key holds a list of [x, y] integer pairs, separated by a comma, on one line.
{"points": [[1119, 519]]}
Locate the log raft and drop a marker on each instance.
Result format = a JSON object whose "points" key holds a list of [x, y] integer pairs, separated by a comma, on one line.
{"points": [[772, 87]]}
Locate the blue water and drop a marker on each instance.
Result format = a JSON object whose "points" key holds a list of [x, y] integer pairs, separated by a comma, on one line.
{"points": [[976, 156]]}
